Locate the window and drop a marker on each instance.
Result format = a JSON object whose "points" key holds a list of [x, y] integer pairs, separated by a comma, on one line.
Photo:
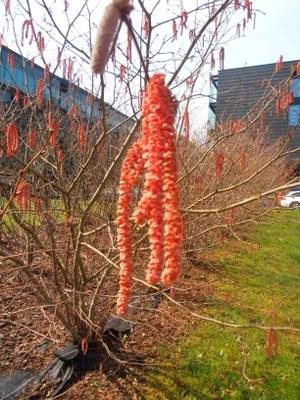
{"points": [[294, 108], [294, 115]]}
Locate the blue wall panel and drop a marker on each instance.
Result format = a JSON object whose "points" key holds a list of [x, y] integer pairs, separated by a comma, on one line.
{"points": [[26, 79]]}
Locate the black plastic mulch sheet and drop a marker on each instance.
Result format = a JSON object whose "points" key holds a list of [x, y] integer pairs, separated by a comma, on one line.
{"points": [[59, 372]]}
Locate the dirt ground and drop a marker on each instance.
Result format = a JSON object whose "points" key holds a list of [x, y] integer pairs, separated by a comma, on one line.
{"points": [[28, 337]]}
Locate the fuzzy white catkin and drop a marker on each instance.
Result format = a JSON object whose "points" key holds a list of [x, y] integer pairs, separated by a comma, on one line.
{"points": [[105, 35]]}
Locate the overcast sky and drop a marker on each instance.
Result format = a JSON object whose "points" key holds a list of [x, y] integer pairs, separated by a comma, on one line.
{"points": [[277, 32]]}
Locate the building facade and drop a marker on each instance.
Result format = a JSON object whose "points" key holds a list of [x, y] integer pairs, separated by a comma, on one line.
{"points": [[266, 96], [19, 73], [28, 93]]}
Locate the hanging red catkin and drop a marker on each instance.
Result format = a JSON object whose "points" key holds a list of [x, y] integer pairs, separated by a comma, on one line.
{"points": [[99, 150], [183, 21], [231, 126], [129, 43], [39, 92], [25, 27], [28, 23], [80, 137], [122, 72], [72, 126], [221, 57], [60, 161], [11, 61], [140, 97], [17, 95], [165, 116], [186, 125], [146, 27], [132, 168], [106, 32], [237, 125], [70, 69], [219, 165], [66, 5], [7, 7], [31, 139], [53, 128], [249, 10], [25, 101], [75, 111], [212, 61], [23, 195], [174, 29], [165, 126], [50, 120], [160, 202], [40, 43], [12, 139], [280, 62], [53, 134], [46, 72], [192, 34], [151, 205]]}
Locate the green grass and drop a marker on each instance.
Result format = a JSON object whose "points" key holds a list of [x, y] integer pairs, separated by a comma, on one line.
{"points": [[209, 363]]}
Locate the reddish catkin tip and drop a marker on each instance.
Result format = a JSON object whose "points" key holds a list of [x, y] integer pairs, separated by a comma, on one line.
{"points": [[186, 125], [105, 35]]}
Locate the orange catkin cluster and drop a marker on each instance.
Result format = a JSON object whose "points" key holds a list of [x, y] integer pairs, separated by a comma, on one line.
{"points": [[154, 153]]}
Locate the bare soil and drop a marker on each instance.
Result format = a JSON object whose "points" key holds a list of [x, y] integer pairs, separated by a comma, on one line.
{"points": [[29, 335]]}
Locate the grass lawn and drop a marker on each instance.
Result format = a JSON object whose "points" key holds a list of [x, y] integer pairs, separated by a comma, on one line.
{"points": [[262, 287]]}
